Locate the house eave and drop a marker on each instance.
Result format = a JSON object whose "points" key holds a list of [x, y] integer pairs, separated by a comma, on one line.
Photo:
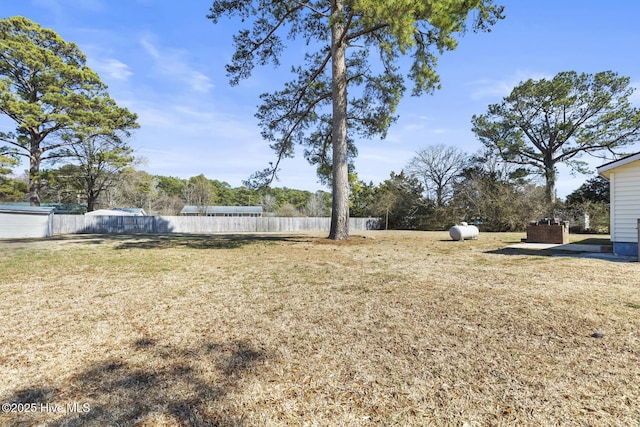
{"points": [[606, 169]]}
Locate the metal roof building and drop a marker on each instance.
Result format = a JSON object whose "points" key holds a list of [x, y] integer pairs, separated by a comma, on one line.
{"points": [[17, 222]]}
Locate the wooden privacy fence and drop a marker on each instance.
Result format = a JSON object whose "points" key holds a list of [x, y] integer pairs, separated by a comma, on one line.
{"points": [[78, 224]]}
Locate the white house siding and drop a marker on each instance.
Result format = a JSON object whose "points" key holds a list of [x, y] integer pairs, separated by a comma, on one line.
{"points": [[625, 207]]}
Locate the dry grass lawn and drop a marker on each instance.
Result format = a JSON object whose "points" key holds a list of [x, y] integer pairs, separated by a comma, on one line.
{"points": [[392, 328]]}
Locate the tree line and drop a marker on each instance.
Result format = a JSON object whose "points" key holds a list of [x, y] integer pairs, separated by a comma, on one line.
{"points": [[439, 187], [161, 195], [442, 186]]}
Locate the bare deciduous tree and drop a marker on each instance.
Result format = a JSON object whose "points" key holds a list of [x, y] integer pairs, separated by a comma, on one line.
{"points": [[316, 205], [201, 192], [437, 167], [269, 203]]}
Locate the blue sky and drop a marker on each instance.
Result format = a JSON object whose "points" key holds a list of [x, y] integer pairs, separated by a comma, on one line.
{"points": [[165, 61]]}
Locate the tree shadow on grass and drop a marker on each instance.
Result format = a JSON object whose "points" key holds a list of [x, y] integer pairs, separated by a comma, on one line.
{"points": [[198, 241], [183, 241], [160, 241], [158, 385]]}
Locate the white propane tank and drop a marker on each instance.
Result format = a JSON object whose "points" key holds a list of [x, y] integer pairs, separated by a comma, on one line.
{"points": [[464, 231]]}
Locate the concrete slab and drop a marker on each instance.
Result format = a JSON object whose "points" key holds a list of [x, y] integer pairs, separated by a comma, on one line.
{"points": [[577, 250]]}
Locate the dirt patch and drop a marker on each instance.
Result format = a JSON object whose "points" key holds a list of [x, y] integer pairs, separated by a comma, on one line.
{"points": [[351, 241]]}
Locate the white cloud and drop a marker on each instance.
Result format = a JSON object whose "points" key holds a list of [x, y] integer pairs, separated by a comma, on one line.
{"points": [[486, 88], [150, 48], [112, 69], [195, 122], [439, 131], [92, 5], [173, 64], [58, 7], [414, 127], [497, 89]]}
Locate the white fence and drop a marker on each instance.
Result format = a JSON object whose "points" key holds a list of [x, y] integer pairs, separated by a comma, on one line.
{"points": [[78, 224]]}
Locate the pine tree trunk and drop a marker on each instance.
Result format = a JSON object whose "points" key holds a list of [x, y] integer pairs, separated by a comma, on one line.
{"points": [[340, 208], [550, 182], [34, 174]]}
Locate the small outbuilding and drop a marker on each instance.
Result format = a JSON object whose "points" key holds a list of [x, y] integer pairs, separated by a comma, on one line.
{"points": [[624, 181], [17, 222]]}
